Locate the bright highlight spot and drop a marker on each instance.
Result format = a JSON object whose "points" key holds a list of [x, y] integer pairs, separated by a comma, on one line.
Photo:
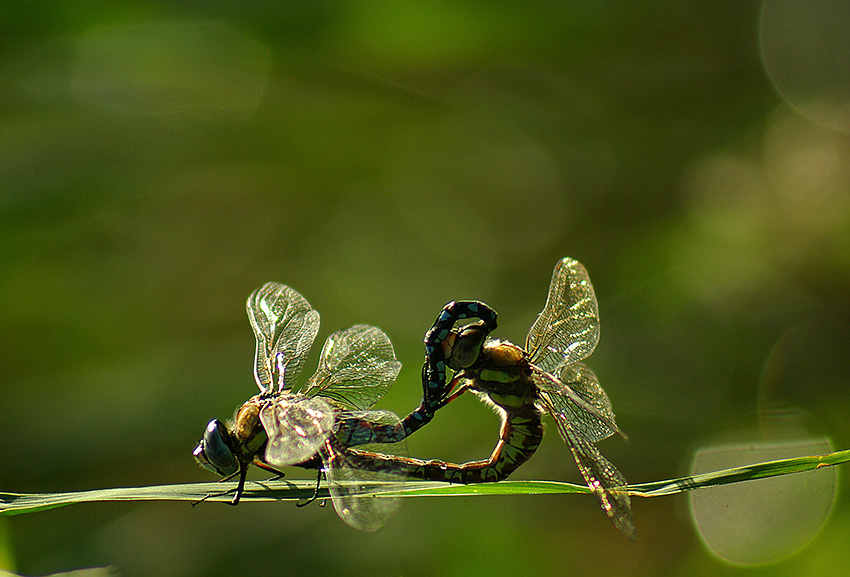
{"points": [[806, 53], [763, 521]]}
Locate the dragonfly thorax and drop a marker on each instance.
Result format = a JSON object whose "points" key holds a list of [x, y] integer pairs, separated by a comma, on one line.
{"points": [[498, 354], [247, 430], [502, 374]]}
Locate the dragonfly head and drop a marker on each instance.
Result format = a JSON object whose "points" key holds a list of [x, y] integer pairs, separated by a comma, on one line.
{"points": [[462, 346], [214, 452]]}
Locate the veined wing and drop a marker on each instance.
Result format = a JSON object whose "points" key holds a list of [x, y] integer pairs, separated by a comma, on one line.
{"points": [[357, 366], [363, 430], [575, 397], [351, 474], [603, 478], [567, 329], [297, 427], [285, 326]]}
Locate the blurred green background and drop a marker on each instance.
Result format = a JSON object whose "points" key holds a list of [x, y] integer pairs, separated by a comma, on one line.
{"points": [[159, 161]]}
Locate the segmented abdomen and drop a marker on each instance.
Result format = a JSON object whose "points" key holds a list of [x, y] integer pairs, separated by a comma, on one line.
{"points": [[521, 433]]}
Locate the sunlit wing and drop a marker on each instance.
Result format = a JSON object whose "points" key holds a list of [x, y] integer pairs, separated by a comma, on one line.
{"points": [[351, 474], [574, 396], [603, 478], [568, 326], [357, 366], [285, 326], [362, 429], [297, 427]]}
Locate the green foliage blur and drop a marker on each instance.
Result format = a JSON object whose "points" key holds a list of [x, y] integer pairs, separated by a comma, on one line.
{"points": [[159, 161]]}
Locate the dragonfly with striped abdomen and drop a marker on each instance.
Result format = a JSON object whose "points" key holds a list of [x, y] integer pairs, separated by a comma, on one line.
{"points": [[523, 383], [324, 424], [314, 427]]}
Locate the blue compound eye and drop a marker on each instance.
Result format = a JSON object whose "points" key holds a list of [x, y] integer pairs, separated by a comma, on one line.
{"points": [[212, 453]]}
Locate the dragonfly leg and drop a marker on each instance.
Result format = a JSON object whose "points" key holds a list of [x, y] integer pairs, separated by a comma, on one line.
{"points": [[435, 386], [315, 494], [242, 472], [240, 488], [460, 390], [266, 467]]}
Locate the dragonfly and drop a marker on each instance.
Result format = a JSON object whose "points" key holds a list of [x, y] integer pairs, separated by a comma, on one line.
{"points": [[315, 427], [546, 376]]}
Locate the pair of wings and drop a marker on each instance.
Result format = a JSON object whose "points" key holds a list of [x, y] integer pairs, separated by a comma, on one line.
{"points": [[565, 333], [356, 367]]}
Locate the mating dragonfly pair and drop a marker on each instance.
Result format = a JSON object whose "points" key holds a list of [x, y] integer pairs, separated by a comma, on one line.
{"points": [[330, 425]]}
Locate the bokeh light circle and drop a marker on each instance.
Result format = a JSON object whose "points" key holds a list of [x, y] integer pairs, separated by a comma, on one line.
{"points": [[806, 53]]}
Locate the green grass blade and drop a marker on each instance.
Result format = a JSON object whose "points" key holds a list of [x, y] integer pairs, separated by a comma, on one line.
{"points": [[283, 490], [738, 474], [18, 503]]}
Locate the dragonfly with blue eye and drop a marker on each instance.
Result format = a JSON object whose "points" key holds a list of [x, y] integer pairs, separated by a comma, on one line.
{"points": [[315, 427], [524, 383], [326, 421]]}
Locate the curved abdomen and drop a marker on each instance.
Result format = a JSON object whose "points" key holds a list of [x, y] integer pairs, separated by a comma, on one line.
{"points": [[521, 433]]}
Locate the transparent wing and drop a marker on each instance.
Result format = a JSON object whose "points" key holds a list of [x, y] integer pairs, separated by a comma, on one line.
{"points": [[297, 427], [356, 368], [567, 329], [352, 475], [285, 326], [359, 422], [602, 477], [575, 397]]}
